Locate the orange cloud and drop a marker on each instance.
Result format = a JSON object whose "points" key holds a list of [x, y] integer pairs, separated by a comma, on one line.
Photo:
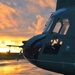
{"points": [[51, 3], [42, 3], [46, 3], [32, 8], [6, 19], [38, 26], [20, 20]]}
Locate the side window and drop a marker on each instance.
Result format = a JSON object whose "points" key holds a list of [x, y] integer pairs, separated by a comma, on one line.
{"points": [[57, 27], [65, 27]]}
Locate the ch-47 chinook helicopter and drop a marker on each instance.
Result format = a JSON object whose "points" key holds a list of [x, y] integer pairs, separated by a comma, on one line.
{"points": [[54, 49]]}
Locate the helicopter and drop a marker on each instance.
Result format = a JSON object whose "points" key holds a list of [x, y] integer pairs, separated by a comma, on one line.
{"points": [[54, 49]]}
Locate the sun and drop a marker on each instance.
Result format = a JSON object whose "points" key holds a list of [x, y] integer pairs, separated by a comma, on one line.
{"points": [[12, 49], [11, 41], [4, 49]]}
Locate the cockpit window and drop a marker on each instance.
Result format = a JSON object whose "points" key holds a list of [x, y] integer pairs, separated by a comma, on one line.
{"points": [[57, 27], [65, 26], [48, 24], [62, 27]]}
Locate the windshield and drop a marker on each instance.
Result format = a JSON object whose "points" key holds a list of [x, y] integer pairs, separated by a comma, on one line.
{"points": [[48, 25], [61, 27]]}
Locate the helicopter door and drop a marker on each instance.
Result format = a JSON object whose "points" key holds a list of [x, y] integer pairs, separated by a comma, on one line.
{"points": [[54, 41]]}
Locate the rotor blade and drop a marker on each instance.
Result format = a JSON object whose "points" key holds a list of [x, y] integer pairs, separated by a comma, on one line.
{"points": [[14, 46]]}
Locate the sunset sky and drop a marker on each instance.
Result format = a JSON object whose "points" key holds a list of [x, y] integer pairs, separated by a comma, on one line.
{"points": [[22, 19]]}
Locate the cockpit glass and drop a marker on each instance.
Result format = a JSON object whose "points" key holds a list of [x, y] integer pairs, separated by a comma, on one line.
{"points": [[62, 27], [65, 27], [57, 27], [48, 25]]}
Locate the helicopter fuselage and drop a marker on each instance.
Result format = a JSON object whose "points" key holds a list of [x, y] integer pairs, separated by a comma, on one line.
{"points": [[54, 49]]}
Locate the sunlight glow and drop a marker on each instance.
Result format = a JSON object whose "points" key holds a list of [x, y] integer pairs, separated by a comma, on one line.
{"points": [[4, 48], [12, 49]]}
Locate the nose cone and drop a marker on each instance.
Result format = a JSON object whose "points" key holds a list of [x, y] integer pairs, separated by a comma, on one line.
{"points": [[32, 48], [31, 54]]}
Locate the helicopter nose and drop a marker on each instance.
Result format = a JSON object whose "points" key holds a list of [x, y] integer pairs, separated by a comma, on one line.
{"points": [[32, 47], [31, 54]]}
